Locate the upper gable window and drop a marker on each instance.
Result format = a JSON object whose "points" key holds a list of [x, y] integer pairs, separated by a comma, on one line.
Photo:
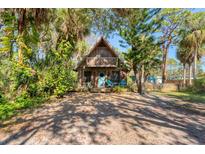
{"points": [[104, 52]]}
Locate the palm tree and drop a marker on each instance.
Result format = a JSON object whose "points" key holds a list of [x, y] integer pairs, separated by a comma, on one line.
{"points": [[25, 21], [186, 56], [72, 25], [26, 18], [195, 38], [195, 41], [182, 56]]}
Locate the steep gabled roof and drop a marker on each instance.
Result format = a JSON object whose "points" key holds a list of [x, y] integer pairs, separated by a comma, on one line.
{"points": [[100, 40]]}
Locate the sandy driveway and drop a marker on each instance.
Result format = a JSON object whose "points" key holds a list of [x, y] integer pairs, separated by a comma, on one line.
{"points": [[86, 118]]}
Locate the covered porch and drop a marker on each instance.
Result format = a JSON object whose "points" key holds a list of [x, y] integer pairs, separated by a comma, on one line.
{"points": [[93, 76]]}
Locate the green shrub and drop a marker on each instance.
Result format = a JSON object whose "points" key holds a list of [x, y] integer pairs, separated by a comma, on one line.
{"points": [[59, 82], [27, 86], [22, 101], [199, 85], [47, 84], [7, 78], [119, 89], [33, 90], [6, 110], [26, 80], [131, 84], [66, 82], [2, 98], [24, 76]]}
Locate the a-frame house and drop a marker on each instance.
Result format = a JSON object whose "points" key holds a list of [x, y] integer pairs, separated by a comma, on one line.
{"points": [[102, 60]]}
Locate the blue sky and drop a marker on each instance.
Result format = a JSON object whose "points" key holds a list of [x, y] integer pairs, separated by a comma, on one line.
{"points": [[114, 41]]}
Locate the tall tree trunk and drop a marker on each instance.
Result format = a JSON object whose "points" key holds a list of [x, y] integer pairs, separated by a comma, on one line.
{"points": [[12, 42], [141, 86], [164, 65], [136, 74], [21, 21], [142, 80], [195, 65], [21, 26], [190, 72], [165, 48], [139, 79], [184, 75]]}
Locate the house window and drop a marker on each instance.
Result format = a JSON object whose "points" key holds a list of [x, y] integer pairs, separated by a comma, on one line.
{"points": [[103, 52], [87, 76], [115, 77]]}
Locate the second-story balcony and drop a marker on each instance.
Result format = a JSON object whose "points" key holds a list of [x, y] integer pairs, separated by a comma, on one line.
{"points": [[101, 61]]}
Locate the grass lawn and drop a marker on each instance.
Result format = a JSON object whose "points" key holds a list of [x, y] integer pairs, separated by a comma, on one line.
{"points": [[186, 96]]}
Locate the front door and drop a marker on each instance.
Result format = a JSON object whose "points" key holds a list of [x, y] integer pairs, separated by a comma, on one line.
{"points": [[87, 76], [101, 80]]}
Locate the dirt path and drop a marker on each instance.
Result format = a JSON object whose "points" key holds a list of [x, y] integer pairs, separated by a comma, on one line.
{"points": [[86, 118]]}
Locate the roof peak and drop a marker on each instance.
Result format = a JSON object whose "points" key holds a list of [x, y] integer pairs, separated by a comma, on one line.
{"points": [[107, 44]]}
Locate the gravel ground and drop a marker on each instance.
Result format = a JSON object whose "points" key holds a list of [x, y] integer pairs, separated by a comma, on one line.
{"points": [[99, 118]]}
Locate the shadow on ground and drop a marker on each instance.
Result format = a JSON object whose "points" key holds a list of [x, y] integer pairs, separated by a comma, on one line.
{"points": [[86, 118]]}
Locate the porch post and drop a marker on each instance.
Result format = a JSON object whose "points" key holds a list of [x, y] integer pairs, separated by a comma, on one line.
{"points": [[79, 76], [82, 76], [106, 73], [92, 76], [94, 79]]}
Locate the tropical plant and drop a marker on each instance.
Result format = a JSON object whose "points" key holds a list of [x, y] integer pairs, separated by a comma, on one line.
{"points": [[195, 37], [182, 57], [38, 48]]}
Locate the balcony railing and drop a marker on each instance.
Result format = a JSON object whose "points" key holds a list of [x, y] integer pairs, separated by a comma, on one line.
{"points": [[101, 61]]}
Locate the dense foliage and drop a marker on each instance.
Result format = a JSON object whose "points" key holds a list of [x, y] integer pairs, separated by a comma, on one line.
{"points": [[199, 85], [37, 51]]}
